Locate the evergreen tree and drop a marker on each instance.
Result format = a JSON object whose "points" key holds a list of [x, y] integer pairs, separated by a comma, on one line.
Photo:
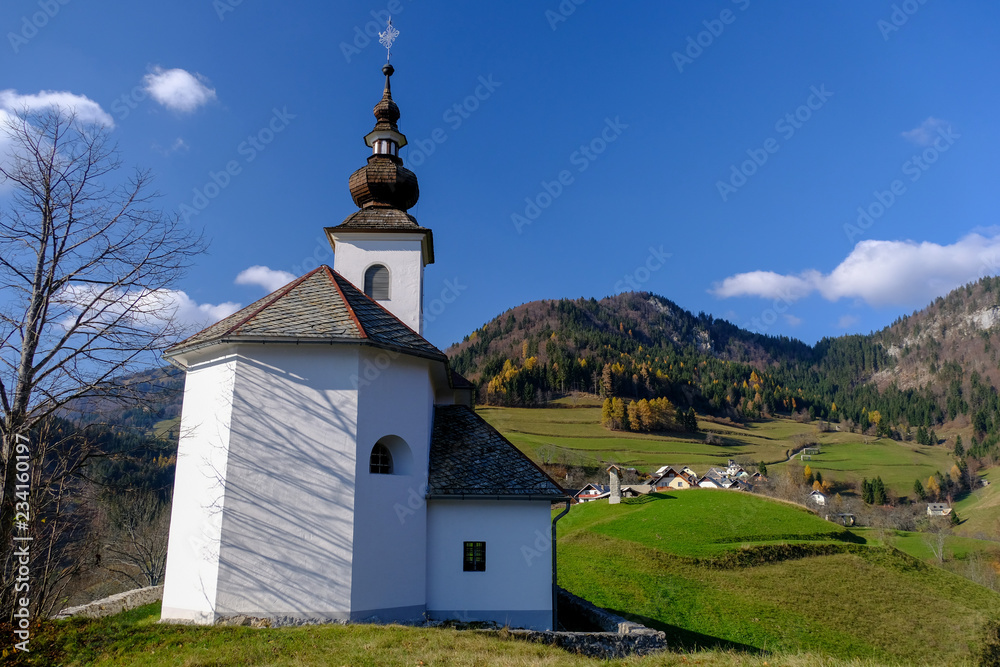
{"points": [[762, 468], [959, 450], [918, 490], [866, 491], [879, 496], [818, 477]]}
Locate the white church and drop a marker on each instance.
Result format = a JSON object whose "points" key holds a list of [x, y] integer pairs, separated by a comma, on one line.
{"points": [[330, 464]]}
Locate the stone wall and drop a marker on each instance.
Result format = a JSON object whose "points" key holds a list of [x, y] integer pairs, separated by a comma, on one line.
{"points": [[617, 638], [115, 604]]}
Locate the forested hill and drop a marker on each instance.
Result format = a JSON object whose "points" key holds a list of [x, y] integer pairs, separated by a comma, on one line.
{"points": [[935, 366]]}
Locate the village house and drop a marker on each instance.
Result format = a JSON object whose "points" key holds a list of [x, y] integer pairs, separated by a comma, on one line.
{"points": [[593, 492], [818, 497], [667, 478], [938, 509]]}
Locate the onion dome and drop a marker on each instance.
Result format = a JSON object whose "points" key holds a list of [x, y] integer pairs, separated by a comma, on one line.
{"points": [[384, 182]]}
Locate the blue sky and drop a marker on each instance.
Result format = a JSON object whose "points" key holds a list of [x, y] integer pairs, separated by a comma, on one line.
{"points": [[803, 169]]}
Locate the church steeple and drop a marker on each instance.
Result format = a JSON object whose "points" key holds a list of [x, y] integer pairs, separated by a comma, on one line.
{"points": [[384, 181], [381, 248]]}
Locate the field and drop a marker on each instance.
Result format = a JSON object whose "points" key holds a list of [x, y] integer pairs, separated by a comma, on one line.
{"points": [[980, 510], [574, 436], [918, 544], [855, 601]]}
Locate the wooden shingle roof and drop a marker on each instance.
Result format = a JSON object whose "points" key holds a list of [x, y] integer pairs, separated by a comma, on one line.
{"points": [[469, 457], [320, 307]]}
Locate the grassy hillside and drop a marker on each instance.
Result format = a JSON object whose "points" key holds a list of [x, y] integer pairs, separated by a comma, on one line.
{"points": [[980, 510], [848, 458], [575, 437], [852, 601]]}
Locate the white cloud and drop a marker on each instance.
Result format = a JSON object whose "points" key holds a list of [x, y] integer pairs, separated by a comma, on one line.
{"points": [[178, 145], [147, 309], [881, 273], [792, 320], [192, 315], [847, 321], [766, 284], [269, 279], [178, 89], [925, 133], [87, 110]]}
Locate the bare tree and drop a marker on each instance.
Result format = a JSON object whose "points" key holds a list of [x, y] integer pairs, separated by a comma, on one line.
{"points": [[935, 537], [137, 551], [86, 265]]}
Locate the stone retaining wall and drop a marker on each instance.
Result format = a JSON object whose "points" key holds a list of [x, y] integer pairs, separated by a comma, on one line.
{"points": [[115, 604], [618, 638]]}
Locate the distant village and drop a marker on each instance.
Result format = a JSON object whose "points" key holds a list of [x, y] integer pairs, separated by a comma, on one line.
{"points": [[666, 478], [733, 477]]}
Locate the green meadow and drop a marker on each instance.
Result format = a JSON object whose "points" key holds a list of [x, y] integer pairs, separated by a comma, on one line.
{"points": [[781, 583], [574, 436]]}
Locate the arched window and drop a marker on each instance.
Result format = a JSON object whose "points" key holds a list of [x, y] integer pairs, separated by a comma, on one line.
{"points": [[381, 460], [377, 282]]}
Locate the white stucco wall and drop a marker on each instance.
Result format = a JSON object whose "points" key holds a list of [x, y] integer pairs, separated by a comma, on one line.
{"points": [[390, 528], [289, 510], [196, 515], [401, 254], [516, 588]]}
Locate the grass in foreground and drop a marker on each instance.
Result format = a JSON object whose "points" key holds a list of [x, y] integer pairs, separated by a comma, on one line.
{"points": [[135, 639]]}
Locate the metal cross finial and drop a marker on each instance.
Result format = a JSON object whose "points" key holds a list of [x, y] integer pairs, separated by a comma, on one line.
{"points": [[387, 38]]}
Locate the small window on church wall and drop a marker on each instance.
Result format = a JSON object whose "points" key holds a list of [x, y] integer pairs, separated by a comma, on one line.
{"points": [[475, 557], [377, 282], [381, 461]]}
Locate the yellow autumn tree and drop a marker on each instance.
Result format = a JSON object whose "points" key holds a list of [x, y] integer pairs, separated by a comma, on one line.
{"points": [[639, 415], [606, 413], [617, 413], [955, 473]]}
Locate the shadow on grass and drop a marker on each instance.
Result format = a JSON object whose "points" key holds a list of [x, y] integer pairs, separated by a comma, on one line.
{"points": [[647, 498], [848, 536], [679, 639]]}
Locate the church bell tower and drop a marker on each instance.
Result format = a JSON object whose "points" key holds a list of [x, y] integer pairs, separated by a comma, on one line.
{"points": [[380, 248]]}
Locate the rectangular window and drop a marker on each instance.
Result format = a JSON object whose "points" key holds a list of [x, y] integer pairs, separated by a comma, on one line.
{"points": [[475, 557]]}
